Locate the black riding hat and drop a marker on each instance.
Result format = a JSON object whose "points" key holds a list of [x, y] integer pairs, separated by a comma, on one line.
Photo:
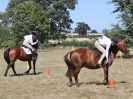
{"points": [[34, 33]]}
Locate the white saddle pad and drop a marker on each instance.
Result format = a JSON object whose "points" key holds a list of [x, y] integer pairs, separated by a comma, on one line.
{"points": [[27, 51]]}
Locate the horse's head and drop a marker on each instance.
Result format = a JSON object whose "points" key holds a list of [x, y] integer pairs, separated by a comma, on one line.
{"points": [[122, 46]]}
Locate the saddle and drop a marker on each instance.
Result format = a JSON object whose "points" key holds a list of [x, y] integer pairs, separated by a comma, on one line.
{"points": [[27, 50], [93, 48]]}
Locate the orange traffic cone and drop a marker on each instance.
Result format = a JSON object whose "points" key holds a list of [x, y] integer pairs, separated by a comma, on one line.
{"points": [[47, 72], [111, 83]]}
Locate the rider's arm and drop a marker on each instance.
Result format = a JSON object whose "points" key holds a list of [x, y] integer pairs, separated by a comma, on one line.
{"points": [[34, 43]]}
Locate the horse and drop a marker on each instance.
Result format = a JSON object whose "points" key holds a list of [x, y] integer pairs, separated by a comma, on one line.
{"points": [[88, 58], [14, 53]]}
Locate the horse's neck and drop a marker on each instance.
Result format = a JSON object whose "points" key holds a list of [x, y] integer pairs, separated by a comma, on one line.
{"points": [[114, 49]]}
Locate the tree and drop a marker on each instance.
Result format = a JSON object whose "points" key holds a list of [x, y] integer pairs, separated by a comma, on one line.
{"points": [[29, 16], [59, 15], [125, 10], [82, 28], [115, 32], [6, 38], [49, 17], [94, 31]]}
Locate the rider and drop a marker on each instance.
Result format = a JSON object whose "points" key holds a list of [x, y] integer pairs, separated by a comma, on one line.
{"points": [[30, 41], [103, 45]]}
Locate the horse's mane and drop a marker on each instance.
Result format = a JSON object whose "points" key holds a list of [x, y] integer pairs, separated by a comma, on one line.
{"points": [[115, 40], [114, 49]]}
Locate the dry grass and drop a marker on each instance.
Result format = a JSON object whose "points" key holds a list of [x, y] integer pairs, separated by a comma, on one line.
{"points": [[55, 85]]}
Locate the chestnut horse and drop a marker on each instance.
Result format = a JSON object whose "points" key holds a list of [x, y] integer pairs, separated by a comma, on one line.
{"points": [[86, 57], [12, 54]]}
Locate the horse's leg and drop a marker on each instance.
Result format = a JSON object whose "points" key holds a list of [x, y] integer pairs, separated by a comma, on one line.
{"points": [[14, 70], [76, 72], [34, 63], [29, 63], [70, 82], [69, 74], [8, 66], [106, 74]]}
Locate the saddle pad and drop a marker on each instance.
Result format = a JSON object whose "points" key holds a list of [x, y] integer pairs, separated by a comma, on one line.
{"points": [[27, 51]]}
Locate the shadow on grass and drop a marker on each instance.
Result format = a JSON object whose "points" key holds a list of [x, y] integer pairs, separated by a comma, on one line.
{"points": [[95, 83], [23, 74], [100, 83]]}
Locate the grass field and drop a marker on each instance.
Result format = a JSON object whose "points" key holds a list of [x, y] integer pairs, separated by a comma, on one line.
{"points": [[55, 86]]}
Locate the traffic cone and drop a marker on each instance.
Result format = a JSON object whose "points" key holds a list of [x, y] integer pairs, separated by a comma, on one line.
{"points": [[47, 72], [111, 83]]}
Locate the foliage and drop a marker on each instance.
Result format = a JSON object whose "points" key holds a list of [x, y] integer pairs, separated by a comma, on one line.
{"points": [[49, 17], [125, 10], [76, 43], [29, 16], [6, 38], [94, 31], [82, 28]]}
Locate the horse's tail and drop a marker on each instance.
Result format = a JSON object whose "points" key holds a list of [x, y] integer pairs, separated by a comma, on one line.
{"points": [[70, 66], [6, 55]]}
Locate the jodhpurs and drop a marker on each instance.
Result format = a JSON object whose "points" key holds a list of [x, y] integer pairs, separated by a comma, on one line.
{"points": [[28, 45], [102, 50]]}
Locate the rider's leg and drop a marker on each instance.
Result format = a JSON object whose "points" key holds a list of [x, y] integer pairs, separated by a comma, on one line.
{"points": [[102, 50], [31, 48], [28, 45], [101, 58]]}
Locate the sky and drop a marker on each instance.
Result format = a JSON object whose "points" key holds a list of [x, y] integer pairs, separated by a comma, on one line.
{"points": [[96, 13], [3, 5]]}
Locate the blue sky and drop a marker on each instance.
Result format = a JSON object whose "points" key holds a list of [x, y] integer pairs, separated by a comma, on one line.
{"points": [[96, 13], [3, 5]]}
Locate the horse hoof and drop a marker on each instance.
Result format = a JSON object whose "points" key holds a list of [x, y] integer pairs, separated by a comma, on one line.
{"points": [[70, 84], [106, 83], [5, 75], [15, 74], [26, 73], [34, 73]]}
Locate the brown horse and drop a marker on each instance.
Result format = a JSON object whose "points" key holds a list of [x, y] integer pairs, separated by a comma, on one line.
{"points": [[12, 54], [84, 57]]}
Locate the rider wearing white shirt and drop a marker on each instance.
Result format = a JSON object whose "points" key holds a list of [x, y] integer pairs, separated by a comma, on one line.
{"points": [[103, 45], [29, 40]]}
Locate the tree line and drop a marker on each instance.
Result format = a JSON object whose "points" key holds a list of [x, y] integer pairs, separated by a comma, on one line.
{"points": [[51, 17], [48, 17], [123, 29]]}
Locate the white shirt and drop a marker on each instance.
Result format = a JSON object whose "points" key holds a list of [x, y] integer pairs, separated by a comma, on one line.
{"points": [[105, 42], [29, 39]]}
